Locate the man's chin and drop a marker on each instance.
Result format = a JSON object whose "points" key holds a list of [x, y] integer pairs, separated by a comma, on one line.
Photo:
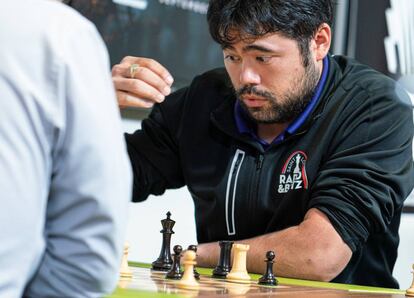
{"points": [[262, 119], [267, 121], [261, 115]]}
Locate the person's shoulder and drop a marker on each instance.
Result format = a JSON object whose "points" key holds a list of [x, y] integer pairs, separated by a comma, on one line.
{"points": [[358, 75], [363, 79], [42, 13], [42, 22], [65, 19]]}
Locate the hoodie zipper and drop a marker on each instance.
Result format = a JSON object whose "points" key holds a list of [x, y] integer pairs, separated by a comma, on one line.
{"points": [[231, 191]]}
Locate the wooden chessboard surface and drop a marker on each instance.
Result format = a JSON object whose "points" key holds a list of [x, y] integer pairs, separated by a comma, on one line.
{"points": [[148, 283]]}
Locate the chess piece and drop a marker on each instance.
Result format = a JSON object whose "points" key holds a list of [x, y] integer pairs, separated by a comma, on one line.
{"points": [[268, 278], [125, 271], [124, 282], [164, 261], [297, 160], [194, 248], [175, 272], [239, 272], [188, 280], [410, 291], [223, 266]]}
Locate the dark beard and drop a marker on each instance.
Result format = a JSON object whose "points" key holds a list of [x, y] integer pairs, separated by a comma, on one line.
{"points": [[289, 107]]}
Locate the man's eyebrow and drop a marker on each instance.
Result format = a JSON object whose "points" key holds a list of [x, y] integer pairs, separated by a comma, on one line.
{"points": [[254, 47], [250, 48]]}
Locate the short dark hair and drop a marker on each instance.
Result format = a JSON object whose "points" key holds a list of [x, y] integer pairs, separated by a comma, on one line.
{"points": [[296, 19]]}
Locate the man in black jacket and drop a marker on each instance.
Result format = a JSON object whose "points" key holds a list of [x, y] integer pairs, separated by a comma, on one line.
{"points": [[287, 149]]}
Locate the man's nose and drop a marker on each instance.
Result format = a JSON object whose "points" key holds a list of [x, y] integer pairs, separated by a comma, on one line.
{"points": [[249, 76]]}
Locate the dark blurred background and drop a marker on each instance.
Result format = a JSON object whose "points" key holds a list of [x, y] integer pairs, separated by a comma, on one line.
{"points": [[175, 33]]}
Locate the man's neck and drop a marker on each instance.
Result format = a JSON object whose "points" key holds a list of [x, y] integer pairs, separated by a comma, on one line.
{"points": [[269, 132]]}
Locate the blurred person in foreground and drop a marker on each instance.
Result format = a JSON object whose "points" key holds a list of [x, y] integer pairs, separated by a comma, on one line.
{"points": [[65, 178]]}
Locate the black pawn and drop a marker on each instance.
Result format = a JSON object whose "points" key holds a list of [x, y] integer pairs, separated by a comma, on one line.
{"points": [[175, 272], [164, 261], [223, 267], [268, 278], [194, 248]]}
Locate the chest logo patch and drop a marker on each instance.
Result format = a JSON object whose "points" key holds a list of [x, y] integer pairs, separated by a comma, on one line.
{"points": [[293, 175]]}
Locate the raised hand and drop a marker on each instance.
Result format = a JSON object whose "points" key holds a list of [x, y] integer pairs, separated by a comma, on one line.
{"points": [[140, 82]]}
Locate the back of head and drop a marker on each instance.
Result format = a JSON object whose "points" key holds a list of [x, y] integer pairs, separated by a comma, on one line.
{"points": [[232, 20]]}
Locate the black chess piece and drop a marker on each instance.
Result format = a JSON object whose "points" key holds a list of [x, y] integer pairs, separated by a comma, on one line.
{"points": [[175, 272], [164, 261], [268, 278], [194, 248], [223, 267]]}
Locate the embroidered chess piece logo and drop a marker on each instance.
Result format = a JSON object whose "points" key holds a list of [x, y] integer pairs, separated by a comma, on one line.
{"points": [[293, 175]]}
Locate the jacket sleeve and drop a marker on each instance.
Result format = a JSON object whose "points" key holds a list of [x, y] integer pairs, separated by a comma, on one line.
{"points": [[368, 170], [154, 149]]}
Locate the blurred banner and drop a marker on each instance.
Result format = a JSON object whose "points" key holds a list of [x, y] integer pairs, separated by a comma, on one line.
{"points": [[399, 44]]}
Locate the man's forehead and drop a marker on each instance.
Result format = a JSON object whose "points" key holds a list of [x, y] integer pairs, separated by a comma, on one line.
{"points": [[266, 42]]}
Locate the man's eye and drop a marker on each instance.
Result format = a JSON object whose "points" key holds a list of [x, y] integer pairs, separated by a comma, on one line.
{"points": [[264, 59], [231, 58]]}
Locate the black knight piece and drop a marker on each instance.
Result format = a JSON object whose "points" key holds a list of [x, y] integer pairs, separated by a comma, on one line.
{"points": [[223, 266], [164, 261], [194, 248], [268, 278], [175, 272]]}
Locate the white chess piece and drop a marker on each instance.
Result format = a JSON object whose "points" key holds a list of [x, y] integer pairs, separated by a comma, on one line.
{"points": [[125, 271], [238, 272], [297, 159], [410, 291], [188, 280]]}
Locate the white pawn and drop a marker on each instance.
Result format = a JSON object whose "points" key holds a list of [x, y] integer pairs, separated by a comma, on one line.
{"points": [[188, 281], [410, 291], [238, 272], [125, 271]]}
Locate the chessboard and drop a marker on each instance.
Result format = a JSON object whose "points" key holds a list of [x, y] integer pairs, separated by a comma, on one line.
{"points": [[146, 283], [147, 280]]}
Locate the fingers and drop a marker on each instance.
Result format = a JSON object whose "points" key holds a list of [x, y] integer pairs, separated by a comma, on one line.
{"points": [[139, 89], [142, 74], [126, 99], [151, 64], [151, 82]]}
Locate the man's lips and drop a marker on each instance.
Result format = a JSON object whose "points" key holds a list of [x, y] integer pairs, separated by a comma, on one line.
{"points": [[254, 102]]}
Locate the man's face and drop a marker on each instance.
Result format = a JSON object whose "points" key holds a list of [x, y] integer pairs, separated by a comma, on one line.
{"points": [[270, 80]]}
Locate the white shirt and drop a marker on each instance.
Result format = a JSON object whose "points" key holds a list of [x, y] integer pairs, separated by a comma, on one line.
{"points": [[65, 177]]}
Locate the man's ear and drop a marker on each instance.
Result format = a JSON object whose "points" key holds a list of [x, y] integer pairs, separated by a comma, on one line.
{"points": [[321, 42]]}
